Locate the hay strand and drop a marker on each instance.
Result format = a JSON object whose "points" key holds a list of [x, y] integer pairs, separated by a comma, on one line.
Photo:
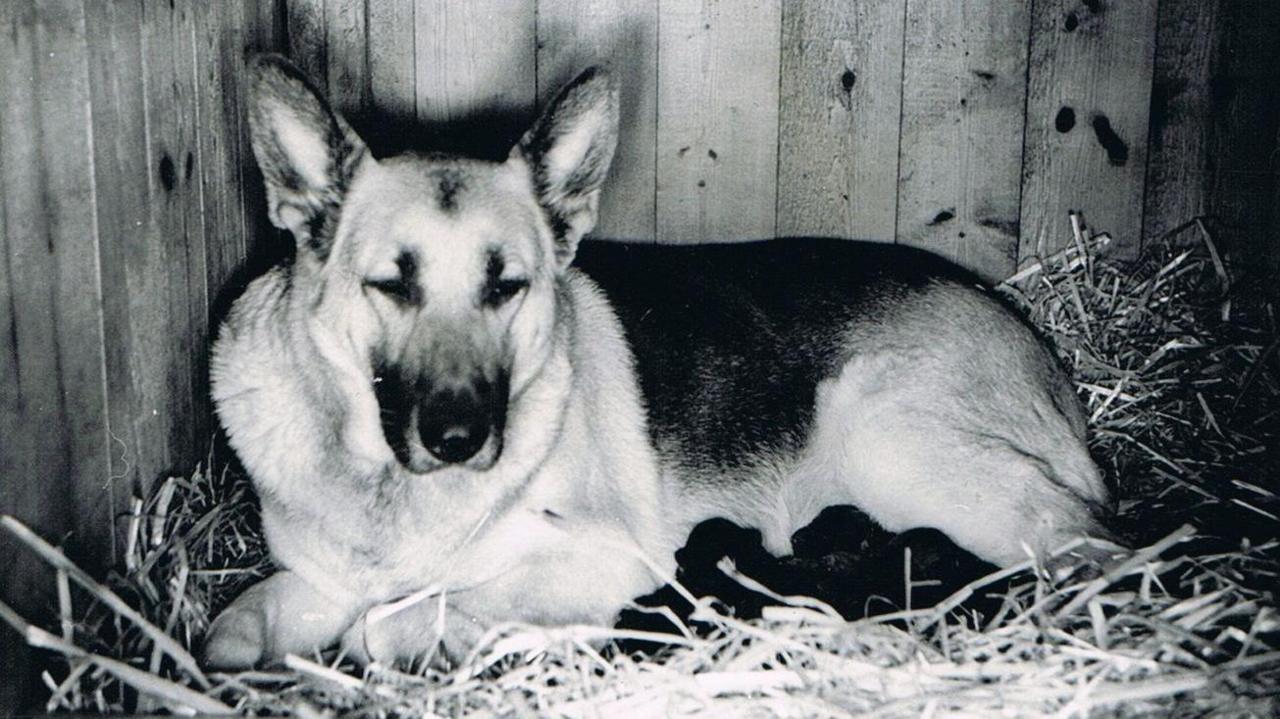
{"points": [[60, 562], [176, 695]]}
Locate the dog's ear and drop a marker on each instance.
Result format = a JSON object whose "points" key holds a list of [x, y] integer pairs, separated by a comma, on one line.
{"points": [[307, 152], [569, 150]]}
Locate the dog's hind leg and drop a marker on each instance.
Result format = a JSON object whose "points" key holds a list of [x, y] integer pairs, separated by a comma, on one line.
{"points": [[280, 615], [1001, 472]]}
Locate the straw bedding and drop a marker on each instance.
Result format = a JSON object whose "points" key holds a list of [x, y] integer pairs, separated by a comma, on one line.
{"points": [[1177, 363]]}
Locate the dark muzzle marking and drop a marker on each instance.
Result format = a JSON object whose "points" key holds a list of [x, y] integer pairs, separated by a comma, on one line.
{"points": [[455, 420], [454, 424]]}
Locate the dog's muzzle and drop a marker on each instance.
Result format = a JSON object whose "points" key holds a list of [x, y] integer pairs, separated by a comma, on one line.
{"points": [[454, 424], [432, 423]]}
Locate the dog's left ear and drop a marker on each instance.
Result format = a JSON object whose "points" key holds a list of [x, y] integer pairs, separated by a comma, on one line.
{"points": [[569, 150]]}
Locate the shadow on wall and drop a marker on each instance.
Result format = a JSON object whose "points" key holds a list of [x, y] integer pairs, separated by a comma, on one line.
{"points": [[487, 134]]}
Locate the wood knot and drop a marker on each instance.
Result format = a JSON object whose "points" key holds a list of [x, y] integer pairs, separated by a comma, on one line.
{"points": [[168, 173]]}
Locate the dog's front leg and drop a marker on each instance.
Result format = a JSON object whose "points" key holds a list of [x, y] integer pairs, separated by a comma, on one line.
{"points": [[429, 627], [280, 615]]}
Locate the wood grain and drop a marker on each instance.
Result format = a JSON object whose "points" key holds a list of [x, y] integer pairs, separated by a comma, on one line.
{"points": [[53, 406], [841, 90], [964, 94], [718, 66], [217, 91], [120, 173], [1177, 180], [52, 396], [308, 40], [347, 55], [621, 35], [167, 289], [263, 24], [54, 412], [392, 69], [1087, 113], [475, 60], [121, 158], [1243, 132]]}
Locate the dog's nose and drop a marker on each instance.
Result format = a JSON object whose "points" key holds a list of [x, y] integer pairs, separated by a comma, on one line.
{"points": [[453, 425]]}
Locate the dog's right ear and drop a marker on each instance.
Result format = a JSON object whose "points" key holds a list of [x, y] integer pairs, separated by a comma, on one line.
{"points": [[307, 152], [569, 150]]}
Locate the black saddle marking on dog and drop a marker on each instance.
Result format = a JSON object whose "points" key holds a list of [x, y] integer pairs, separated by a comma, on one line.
{"points": [[731, 340]]}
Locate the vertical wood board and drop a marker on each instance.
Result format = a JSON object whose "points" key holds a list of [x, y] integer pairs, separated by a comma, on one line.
{"points": [[34, 466], [392, 65], [841, 100], [168, 294], [53, 406], [55, 397], [718, 66], [1177, 179], [1087, 121], [24, 341], [263, 24], [621, 35], [475, 60], [347, 55], [218, 109], [1244, 167], [964, 95], [120, 172], [308, 40]]}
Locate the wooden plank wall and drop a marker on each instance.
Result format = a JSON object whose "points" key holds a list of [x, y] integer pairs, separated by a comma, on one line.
{"points": [[967, 128], [124, 212], [838, 140], [960, 153], [1088, 107], [1214, 122]]}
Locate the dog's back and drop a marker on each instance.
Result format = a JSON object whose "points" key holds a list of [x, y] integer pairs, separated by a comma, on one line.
{"points": [[812, 372], [731, 339]]}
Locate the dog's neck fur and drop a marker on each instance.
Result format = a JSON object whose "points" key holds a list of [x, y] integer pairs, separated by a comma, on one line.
{"points": [[397, 531]]}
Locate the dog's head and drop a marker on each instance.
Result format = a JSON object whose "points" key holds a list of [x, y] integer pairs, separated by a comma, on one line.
{"points": [[436, 275]]}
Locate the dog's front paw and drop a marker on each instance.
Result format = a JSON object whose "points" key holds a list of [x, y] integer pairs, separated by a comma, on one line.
{"points": [[387, 641], [280, 615], [413, 633], [237, 639], [391, 640], [357, 645]]}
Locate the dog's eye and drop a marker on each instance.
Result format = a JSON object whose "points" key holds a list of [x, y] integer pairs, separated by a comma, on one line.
{"points": [[500, 291], [396, 288]]}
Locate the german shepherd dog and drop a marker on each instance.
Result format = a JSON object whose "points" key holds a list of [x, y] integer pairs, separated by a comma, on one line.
{"points": [[456, 416]]}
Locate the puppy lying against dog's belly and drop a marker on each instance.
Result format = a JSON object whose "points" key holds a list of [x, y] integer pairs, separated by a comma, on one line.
{"points": [[436, 401]]}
